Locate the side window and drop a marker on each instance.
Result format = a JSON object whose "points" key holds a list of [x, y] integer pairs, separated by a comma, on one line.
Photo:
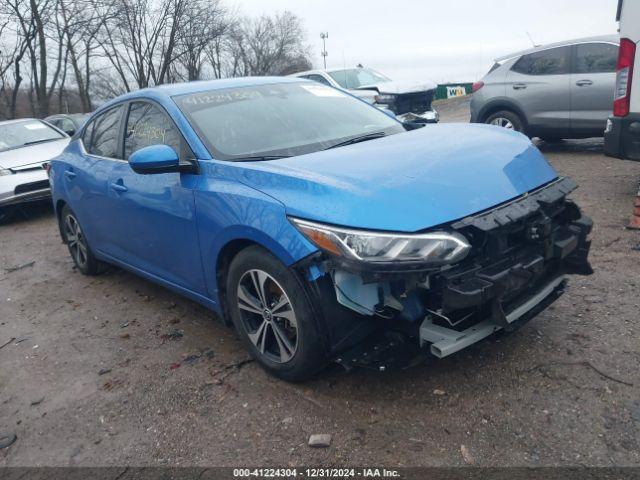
{"points": [[596, 58], [319, 79], [86, 136], [106, 128], [147, 124], [66, 125], [554, 61]]}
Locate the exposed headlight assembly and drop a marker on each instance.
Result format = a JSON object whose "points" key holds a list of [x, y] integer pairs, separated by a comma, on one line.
{"points": [[430, 249]]}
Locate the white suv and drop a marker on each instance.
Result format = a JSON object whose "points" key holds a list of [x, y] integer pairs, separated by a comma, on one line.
{"points": [[622, 136]]}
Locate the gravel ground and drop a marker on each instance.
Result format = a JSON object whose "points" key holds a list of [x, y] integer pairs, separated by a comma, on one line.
{"points": [[114, 370]]}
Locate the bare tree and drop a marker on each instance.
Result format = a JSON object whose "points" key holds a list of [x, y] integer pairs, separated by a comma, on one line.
{"points": [[82, 21], [141, 42], [36, 22], [65, 54], [270, 45], [203, 26]]}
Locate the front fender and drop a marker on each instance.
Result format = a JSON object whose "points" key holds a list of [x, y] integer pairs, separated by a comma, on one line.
{"points": [[229, 211]]}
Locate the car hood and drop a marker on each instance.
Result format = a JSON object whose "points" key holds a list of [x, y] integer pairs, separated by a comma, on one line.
{"points": [[40, 152], [399, 87], [406, 182]]}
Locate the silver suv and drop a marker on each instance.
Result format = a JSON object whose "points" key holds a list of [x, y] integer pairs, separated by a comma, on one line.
{"points": [[562, 90]]}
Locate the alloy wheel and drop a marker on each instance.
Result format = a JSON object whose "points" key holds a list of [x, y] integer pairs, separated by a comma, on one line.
{"points": [[75, 240], [502, 122], [268, 316]]}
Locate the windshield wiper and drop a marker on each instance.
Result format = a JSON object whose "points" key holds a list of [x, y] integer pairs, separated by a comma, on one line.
{"points": [[361, 138], [39, 141], [259, 158]]}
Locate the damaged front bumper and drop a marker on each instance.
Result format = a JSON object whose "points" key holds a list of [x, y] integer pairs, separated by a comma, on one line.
{"points": [[521, 253], [428, 116]]}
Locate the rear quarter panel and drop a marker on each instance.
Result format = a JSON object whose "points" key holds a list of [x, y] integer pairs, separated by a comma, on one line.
{"points": [[85, 192], [493, 90]]}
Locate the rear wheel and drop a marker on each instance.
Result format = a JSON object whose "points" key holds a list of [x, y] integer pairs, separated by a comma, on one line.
{"points": [[506, 119], [79, 249], [273, 315]]}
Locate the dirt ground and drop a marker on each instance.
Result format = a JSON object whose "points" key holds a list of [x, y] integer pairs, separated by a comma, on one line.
{"points": [[114, 370]]}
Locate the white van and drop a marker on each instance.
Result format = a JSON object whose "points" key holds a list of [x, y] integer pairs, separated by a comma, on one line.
{"points": [[622, 135]]}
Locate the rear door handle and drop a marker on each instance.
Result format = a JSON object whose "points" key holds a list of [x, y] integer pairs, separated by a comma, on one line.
{"points": [[584, 83], [118, 187], [519, 86], [69, 174]]}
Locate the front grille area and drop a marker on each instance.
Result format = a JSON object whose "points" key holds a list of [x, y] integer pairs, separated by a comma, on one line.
{"points": [[31, 187], [413, 103], [516, 249]]}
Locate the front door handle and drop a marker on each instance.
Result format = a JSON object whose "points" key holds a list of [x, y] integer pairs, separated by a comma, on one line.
{"points": [[118, 187], [519, 86], [70, 175], [584, 83]]}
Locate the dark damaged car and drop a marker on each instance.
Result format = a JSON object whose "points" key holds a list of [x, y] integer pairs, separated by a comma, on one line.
{"points": [[318, 225]]}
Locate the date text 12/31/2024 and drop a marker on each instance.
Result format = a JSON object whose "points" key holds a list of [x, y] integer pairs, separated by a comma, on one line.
{"points": [[315, 473]]}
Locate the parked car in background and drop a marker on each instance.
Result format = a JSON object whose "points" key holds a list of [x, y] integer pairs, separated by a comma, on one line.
{"points": [[622, 136], [410, 102], [556, 91], [69, 123], [25, 147], [317, 224]]}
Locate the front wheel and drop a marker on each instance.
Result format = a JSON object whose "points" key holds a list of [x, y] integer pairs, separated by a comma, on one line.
{"points": [[7, 214], [73, 236], [273, 315], [506, 119]]}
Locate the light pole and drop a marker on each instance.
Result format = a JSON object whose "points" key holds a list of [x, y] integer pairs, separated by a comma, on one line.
{"points": [[324, 36]]}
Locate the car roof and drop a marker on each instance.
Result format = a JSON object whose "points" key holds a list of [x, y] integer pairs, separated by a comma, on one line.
{"points": [[164, 92], [328, 70], [600, 38]]}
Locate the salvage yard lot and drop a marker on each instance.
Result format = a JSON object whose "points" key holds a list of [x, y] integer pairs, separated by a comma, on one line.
{"points": [[114, 370]]}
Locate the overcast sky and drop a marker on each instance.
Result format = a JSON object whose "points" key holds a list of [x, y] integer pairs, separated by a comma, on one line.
{"points": [[439, 40]]}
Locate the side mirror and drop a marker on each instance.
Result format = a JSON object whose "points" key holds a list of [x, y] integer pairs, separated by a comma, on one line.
{"points": [[70, 131], [155, 159]]}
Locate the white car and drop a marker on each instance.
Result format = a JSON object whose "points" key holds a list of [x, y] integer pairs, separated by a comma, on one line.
{"points": [[26, 146], [622, 135], [409, 102]]}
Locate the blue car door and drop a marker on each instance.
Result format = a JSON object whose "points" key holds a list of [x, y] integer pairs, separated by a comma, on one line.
{"points": [[89, 168], [152, 223]]}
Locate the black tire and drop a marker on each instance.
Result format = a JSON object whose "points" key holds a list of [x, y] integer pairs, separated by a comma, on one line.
{"points": [[77, 244], [505, 117], [279, 285], [7, 214]]}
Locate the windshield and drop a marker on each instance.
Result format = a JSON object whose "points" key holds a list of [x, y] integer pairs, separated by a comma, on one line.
{"points": [[283, 119], [357, 77], [29, 132]]}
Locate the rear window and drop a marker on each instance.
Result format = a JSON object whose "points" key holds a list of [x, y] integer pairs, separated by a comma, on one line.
{"points": [[554, 61]]}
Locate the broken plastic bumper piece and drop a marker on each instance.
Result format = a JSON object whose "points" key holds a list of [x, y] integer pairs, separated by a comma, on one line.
{"points": [[445, 341], [529, 246]]}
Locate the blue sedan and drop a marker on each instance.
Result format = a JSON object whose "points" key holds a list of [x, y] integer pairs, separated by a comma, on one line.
{"points": [[320, 227]]}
